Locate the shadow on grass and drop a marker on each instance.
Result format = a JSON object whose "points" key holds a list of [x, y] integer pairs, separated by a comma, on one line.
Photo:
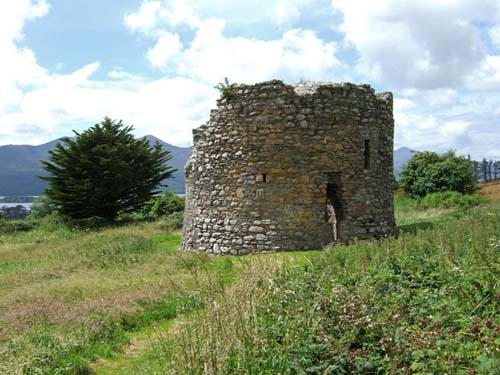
{"points": [[414, 227]]}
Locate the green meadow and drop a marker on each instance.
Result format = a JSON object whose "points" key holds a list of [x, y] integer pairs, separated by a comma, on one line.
{"points": [[124, 300]]}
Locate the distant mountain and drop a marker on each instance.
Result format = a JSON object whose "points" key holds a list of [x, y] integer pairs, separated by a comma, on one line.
{"points": [[180, 155], [401, 157], [20, 165]]}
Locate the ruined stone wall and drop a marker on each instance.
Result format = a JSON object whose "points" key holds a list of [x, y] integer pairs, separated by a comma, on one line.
{"points": [[263, 165]]}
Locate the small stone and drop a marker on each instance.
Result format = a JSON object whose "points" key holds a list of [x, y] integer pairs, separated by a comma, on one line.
{"points": [[255, 229], [261, 237], [303, 180]]}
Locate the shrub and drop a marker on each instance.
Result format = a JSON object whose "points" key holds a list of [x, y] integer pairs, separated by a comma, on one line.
{"points": [[166, 204], [42, 206], [450, 199], [428, 172], [172, 222], [14, 226]]}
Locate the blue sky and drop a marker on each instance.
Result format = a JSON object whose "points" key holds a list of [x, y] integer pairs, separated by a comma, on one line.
{"points": [[153, 63]]}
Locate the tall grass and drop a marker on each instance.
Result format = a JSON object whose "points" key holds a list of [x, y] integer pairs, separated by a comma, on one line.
{"points": [[425, 303], [69, 297]]}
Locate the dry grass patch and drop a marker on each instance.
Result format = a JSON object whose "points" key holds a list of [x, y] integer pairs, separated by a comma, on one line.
{"points": [[491, 190]]}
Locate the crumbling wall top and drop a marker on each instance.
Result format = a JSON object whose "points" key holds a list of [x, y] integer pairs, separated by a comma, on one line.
{"points": [[303, 88]]}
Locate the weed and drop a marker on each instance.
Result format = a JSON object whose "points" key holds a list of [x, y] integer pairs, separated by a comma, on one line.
{"points": [[226, 89]]}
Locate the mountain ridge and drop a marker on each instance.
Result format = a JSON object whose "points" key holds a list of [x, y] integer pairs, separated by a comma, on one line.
{"points": [[401, 157], [20, 165]]}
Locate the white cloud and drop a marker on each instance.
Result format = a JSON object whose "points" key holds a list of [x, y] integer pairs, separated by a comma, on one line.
{"points": [[211, 56], [251, 17], [403, 104], [434, 56], [120, 75], [145, 19], [418, 43], [494, 33], [37, 105], [167, 48], [153, 16], [14, 16], [167, 108], [487, 76], [430, 132], [286, 12], [433, 99], [456, 132], [440, 98], [19, 67], [299, 53]]}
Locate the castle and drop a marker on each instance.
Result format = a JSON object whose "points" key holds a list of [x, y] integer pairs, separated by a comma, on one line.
{"points": [[290, 167]]}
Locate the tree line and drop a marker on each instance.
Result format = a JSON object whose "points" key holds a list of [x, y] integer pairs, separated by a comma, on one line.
{"points": [[486, 170]]}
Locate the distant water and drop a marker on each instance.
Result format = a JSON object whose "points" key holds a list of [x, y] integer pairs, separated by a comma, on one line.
{"points": [[27, 205]]}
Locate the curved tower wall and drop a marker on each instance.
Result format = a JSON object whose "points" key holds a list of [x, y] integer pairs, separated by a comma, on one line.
{"points": [[267, 165]]}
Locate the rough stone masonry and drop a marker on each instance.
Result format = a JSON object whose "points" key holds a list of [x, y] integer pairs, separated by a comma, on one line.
{"points": [[290, 167]]}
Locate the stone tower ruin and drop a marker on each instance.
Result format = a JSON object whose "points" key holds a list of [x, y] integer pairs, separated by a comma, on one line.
{"points": [[289, 167]]}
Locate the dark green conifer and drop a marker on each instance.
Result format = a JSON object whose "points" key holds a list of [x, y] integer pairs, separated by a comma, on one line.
{"points": [[105, 171]]}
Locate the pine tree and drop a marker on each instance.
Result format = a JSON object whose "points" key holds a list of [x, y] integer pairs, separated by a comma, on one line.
{"points": [[104, 171]]}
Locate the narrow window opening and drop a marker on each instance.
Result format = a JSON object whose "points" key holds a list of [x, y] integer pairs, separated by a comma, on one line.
{"points": [[366, 154], [261, 177]]}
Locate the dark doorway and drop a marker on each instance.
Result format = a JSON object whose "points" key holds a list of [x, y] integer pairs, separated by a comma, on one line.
{"points": [[333, 209]]}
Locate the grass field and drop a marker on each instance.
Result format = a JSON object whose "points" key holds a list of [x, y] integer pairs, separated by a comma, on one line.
{"points": [[69, 297], [125, 301]]}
